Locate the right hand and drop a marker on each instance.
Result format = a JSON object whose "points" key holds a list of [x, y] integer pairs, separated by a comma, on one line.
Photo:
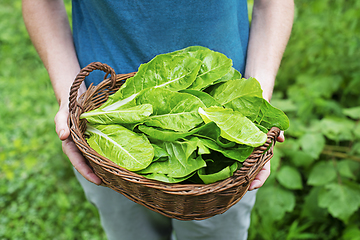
{"points": [[70, 149]]}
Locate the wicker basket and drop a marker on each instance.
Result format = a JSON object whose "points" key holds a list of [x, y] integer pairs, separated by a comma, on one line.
{"points": [[179, 201]]}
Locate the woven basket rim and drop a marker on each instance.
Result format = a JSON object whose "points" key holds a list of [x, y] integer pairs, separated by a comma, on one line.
{"points": [[134, 177]]}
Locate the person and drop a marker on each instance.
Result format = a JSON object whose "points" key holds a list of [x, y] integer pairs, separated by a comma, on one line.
{"points": [[125, 34]]}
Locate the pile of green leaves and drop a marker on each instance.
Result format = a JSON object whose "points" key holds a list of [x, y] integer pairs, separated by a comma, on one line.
{"points": [[187, 114]]}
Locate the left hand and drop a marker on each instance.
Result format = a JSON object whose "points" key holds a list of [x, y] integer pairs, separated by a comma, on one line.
{"points": [[265, 171]]}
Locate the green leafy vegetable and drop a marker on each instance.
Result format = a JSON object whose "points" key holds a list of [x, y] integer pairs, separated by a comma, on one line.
{"points": [[270, 116], [164, 71], [129, 115], [171, 110], [166, 178], [232, 74], [184, 116], [239, 152], [180, 163], [122, 146], [237, 88], [245, 96], [159, 153], [214, 65], [170, 136], [225, 173], [234, 126], [208, 100]]}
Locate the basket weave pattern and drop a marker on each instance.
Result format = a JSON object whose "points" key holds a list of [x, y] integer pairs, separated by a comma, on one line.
{"points": [[180, 201]]}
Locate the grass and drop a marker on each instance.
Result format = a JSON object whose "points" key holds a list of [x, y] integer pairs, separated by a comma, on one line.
{"points": [[40, 197]]}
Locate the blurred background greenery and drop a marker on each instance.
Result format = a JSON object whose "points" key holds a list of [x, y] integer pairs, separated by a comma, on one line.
{"points": [[312, 193]]}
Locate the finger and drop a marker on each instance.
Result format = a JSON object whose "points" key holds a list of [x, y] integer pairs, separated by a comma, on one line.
{"points": [[261, 177], [281, 137], [79, 162], [62, 128]]}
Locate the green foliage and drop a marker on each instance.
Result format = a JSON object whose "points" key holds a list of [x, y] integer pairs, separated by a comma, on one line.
{"points": [[312, 193], [39, 195], [317, 168], [157, 99]]}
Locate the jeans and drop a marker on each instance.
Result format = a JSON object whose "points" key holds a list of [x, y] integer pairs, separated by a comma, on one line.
{"points": [[123, 219]]}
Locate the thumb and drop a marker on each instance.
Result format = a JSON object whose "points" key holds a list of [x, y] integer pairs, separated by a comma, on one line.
{"points": [[281, 137], [62, 128]]}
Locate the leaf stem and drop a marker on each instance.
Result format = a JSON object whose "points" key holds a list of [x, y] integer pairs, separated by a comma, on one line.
{"points": [[337, 170], [340, 155], [337, 148]]}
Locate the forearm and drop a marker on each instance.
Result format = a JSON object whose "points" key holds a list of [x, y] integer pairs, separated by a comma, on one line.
{"points": [[49, 30], [271, 25]]}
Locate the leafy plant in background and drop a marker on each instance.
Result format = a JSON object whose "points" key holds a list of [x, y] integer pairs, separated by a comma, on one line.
{"points": [[318, 87], [313, 191], [39, 196]]}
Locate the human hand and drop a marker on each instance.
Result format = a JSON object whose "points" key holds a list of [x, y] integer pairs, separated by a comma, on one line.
{"points": [[265, 171], [70, 149]]}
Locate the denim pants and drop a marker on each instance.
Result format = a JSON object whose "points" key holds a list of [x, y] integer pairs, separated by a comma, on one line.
{"points": [[123, 219]]}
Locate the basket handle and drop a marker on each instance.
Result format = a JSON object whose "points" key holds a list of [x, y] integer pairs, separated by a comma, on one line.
{"points": [[81, 77], [272, 135]]}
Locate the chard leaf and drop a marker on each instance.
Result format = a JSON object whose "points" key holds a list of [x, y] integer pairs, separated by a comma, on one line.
{"points": [[234, 126], [171, 110], [159, 153], [237, 88], [189, 49], [164, 71], [270, 116], [208, 100], [214, 65], [157, 167], [262, 128], [181, 163], [225, 173], [130, 115], [174, 168], [122, 146], [163, 134], [217, 162], [212, 132], [249, 106], [165, 178], [260, 111], [231, 75], [169, 135], [166, 101], [175, 121], [239, 152], [202, 148]]}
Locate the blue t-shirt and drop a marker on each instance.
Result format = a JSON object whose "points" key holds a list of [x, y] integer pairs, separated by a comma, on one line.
{"points": [[127, 33]]}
